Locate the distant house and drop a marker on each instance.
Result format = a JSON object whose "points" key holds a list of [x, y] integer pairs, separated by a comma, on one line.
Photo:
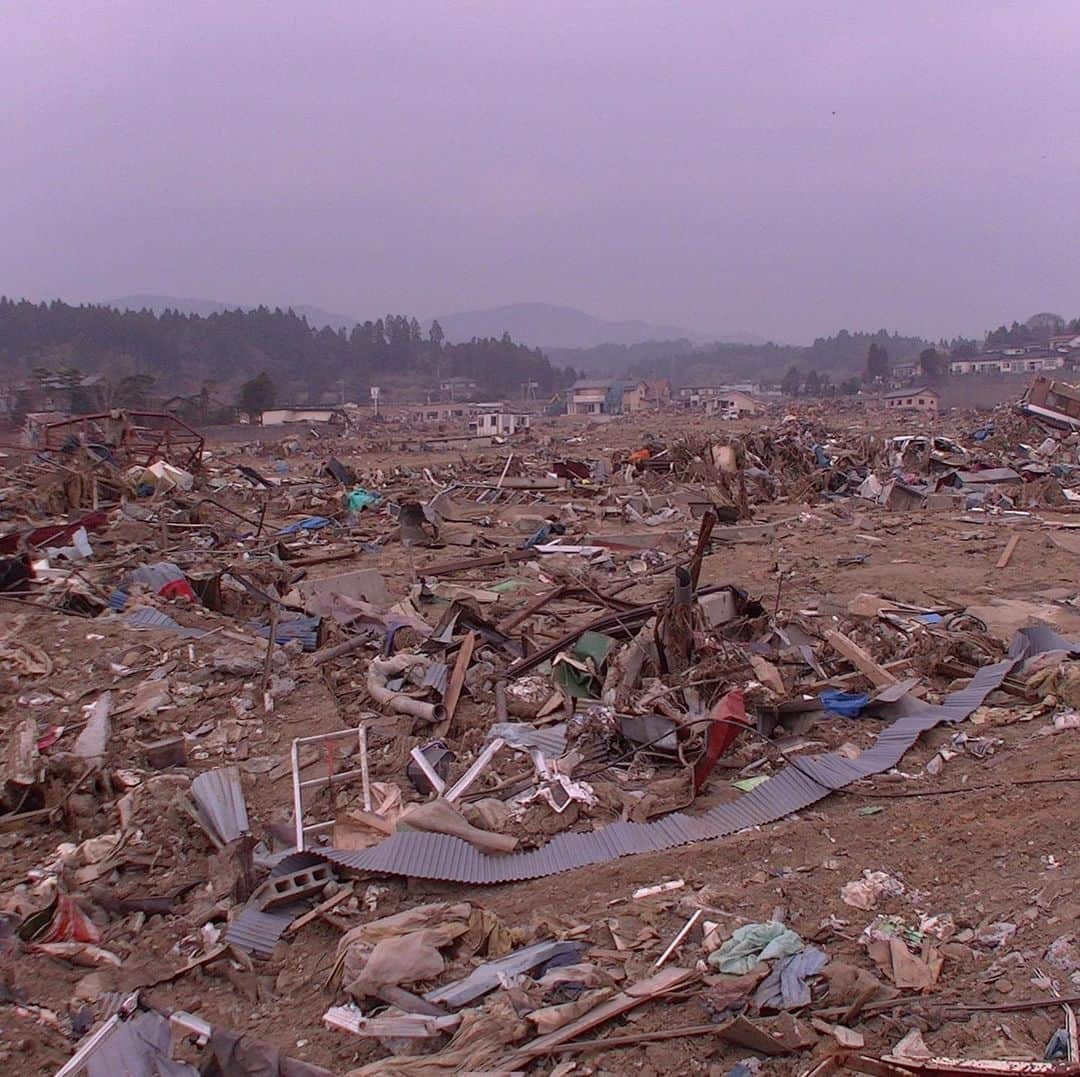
{"points": [[1055, 401], [924, 399], [657, 392], [442, 413], [1010, 361], [902, 373], [1066, 344], [606, 397], [498, 419], [726, 400], [458, 388], [281, 416], [734, 405]]}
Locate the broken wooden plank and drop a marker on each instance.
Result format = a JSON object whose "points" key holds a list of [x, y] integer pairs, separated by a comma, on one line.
{"points": [[1006, 556], [474, 772], [859, 658], [633, 1038], [509, 623], [457, 677], [314, 914], [656, 986], [407, 1002], [683, 932]]}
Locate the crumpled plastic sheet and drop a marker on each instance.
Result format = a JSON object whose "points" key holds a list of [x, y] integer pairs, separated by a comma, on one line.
{"points": [[785, 988], [753, 943]]}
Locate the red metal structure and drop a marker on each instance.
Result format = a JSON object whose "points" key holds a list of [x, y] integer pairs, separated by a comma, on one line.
{"points": [[141, 437]]}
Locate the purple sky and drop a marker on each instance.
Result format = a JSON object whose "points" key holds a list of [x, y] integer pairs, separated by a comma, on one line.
{"points": [[788, 168]]}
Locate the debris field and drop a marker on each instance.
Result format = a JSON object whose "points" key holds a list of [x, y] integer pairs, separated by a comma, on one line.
{"points": [[652, 745]]}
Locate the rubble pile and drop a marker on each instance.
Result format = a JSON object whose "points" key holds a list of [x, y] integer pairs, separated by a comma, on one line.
{"points": [[307, 743]]}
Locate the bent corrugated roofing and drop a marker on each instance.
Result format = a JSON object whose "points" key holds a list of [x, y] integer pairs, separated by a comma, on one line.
{"points": [[797, 786]]}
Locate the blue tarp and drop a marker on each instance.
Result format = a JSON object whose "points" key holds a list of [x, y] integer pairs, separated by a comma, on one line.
{"points": [[312, 523], [846, 704]]}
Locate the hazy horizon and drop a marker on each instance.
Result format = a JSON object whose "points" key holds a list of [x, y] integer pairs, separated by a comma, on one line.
{"points": [[783, 169]]}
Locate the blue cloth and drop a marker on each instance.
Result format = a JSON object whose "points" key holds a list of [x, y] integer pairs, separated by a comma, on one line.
{"points": [[846, 704], [542, 534], [305, 629], [359, 499], [312, 523]]}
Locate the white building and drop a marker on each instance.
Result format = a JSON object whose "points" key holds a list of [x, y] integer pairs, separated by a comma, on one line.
{"points": [[500, 422], [280, 416], [728, 401], [1006, 363], [923, 399]]}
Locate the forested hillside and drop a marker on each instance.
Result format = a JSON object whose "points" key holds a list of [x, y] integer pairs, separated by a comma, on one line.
{"points": [[183, 352], [841, 356]]}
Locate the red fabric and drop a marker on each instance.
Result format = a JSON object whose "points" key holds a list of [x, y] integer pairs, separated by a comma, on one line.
{"points": [[52, 535], [721, 735], [178, 589], [70, 924]]}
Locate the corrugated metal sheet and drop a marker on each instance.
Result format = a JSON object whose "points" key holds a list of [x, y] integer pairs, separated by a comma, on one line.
{"points": [[142, 1045], [449, 859], [437, 676], [257, 932], [305, 629], [219, 798], [146, 617], [551, 740]]}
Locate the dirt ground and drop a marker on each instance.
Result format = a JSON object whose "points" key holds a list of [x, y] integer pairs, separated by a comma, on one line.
{"points": [[990, 837]]}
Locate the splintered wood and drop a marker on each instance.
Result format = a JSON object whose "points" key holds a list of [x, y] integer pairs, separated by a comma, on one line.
{"points": [[859, 658]]}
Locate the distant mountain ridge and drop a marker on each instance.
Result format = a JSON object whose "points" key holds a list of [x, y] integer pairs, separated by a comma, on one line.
{"points": [[539, 325], [545, 325], [316, 316]]}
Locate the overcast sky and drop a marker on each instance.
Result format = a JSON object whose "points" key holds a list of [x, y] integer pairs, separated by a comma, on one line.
{"points": [[782, 167]]}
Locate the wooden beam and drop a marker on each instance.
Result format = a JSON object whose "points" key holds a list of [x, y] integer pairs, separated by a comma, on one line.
{"points": [[1006, 556], [656, 986], [859, 658], [444, 568], [314, 914], [457, 677], [509, 623], [633, 1038]]}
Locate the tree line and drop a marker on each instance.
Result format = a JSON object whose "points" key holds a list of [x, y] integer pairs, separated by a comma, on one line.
{"points": [[829, 364], [185, 353]]}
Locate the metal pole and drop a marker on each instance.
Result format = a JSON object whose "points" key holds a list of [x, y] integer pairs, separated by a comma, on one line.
{"points": [[365, 777], [298, 797]]}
